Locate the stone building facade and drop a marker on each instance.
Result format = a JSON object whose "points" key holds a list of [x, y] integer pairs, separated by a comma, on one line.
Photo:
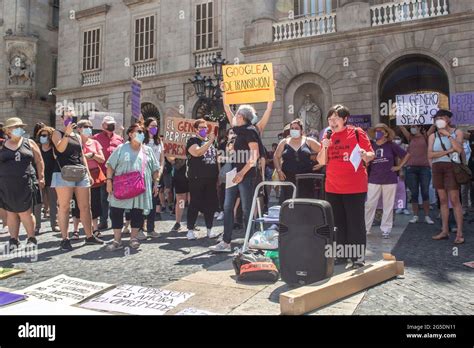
{"points": [[358, 53], [28, 56]]}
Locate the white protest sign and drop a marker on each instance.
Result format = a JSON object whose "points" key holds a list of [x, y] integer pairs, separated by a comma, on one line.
{"points": [[64, 290], [416, 109], [356, 157], [194, 311], [137, 300], [39, 307]]}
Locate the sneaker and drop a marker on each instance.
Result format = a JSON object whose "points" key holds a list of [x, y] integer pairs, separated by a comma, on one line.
{"points": [[406, 212], [13, 244], [134, 243], [221, 238], [191, 235], [176, 227], [414, 219], [93, 240], [114, 246], [428, 220], [141, 235], [56, 229], [216, 214], [32, 240], [220, 216], [386, 235], [212, 234], [126, 230], [4, 230], [154, 234], [399, 211], [222, 247], [66, 245]]}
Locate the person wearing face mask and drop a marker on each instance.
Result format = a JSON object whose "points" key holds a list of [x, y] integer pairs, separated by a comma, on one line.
{"points": [[131, 157], [383, 177], [109, 141], [444, 148], [68, 152], [50, 166], [18, 181], [293, 157], [153, 140], [95, 157], [346, 180], [202, 172], [418, 170]]}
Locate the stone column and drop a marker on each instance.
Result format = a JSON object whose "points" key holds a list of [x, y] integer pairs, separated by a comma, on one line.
{"points": [[22, 20], [260, 31]]}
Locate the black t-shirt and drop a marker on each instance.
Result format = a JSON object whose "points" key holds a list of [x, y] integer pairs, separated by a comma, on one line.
{"points": [[73, 153], [245, 135], [50, 165], [16, 163], [204, 166]]}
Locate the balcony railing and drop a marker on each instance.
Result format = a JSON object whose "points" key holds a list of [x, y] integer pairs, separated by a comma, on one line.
{"points": [[203, 59], [91, 78], [304, 27], [407, 10], [144, 69]]}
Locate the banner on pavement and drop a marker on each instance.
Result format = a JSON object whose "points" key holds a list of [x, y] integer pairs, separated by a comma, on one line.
{"points": [[64, 290], [462, 106], [137, 300], [416, 109], [248, 83], [177, 133]]}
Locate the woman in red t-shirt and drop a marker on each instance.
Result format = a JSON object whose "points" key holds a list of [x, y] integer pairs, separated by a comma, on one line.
{"points": [[346, 152]]}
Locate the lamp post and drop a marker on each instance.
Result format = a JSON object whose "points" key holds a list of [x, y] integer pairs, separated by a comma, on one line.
{"points": [[209, 92]]}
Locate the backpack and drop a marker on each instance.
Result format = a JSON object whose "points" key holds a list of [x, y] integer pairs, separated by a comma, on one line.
{"points": [[241, 259], [259, 272]]}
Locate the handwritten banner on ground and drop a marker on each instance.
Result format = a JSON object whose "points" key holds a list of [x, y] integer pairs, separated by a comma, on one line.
{"points": [[64, 290], [136, 99], [97, 118], [462, 106], [248, 83], [416, 109], [38, 307], [177, 133], [194, 311], [137, 300], [362, 121]]}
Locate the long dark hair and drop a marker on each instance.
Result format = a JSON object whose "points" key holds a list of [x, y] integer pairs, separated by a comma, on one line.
{"points": [[156, 138]]}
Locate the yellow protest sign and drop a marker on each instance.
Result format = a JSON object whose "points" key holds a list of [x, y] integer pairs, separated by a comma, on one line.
{"points": [[248, 83]]}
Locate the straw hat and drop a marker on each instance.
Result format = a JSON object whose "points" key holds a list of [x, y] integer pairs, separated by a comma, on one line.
{"points": [[14, 122], [390, 132]]}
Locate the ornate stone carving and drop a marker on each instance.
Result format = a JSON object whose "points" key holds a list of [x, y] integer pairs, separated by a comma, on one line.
{"points": [[160, 94], [104, 102], [310, 114], [21, 61]]}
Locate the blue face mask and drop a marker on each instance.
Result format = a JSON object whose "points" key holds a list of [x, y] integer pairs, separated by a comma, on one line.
{"points": [[44, 140], [254, 119], [379, 135], [18, 132], [140, 138], [87, 132]]}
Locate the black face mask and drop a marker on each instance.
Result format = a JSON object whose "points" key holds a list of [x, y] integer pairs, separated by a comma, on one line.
{"points": [[111, 127]]}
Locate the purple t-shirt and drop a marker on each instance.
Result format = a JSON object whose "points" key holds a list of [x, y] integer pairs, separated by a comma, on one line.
{"points": [[385, 158]]}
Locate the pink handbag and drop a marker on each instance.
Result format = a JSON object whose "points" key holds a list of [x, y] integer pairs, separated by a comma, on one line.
{"points": [[130, 185]]}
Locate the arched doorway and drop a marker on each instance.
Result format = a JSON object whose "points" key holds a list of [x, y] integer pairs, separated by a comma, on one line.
{"points": [[150, 110], [410, 75]]}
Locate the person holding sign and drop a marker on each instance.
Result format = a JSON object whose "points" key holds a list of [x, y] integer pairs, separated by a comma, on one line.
{"points": [[444, 149], [383, 177], [202, 174], [346, 152]]}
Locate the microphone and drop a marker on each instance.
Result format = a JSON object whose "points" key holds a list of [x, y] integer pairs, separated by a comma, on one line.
{"points": [[329, 134]]}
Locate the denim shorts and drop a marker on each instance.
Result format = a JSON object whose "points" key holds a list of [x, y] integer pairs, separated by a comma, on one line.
{"points": [[58, 181]]}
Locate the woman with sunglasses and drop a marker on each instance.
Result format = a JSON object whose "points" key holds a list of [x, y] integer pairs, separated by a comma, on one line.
{"points": [[293, 157], [18, 180], [50, 166], [128, 158]]}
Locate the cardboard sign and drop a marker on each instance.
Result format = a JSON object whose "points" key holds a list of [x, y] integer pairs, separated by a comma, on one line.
{"points": [[64, 290], [362, 121], [462, 106], [177, 133], [416, 109], [137, 300], [8, 272], [248, 83], [136, 99], [97, 119]]}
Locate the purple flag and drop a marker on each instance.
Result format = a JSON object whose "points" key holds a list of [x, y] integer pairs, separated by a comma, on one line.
{"points": [[7, 298], [462, 106], [136, 99]]}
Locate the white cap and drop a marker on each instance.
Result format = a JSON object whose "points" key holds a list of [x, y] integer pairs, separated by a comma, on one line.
{"points": [[109, 120]]}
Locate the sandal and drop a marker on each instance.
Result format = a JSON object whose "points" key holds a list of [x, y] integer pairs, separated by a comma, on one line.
{"points": [[97, 234], [459, 240], [441, 236], [75, 235], [134, 243]]}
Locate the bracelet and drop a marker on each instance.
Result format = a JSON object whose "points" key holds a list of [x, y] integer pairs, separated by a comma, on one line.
{"points": [[110, 179]]}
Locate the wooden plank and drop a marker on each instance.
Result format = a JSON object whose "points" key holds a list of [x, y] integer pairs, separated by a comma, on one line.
{"points": [[308, 298]]}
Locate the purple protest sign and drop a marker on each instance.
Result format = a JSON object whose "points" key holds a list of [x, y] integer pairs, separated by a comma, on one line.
{"points": [[362, 121], [136, 99], [462, 106]]}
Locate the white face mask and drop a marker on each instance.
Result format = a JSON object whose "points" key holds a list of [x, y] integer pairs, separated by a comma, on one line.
{"points": [[398, 142], [295, 133], [441, 124]]}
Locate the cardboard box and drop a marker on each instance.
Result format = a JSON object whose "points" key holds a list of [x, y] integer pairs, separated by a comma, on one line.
{"points": [[308, 298]]}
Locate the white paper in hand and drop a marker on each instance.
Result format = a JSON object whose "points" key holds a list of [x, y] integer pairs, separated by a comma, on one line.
{"points": [[229, 177], [356, 158]]}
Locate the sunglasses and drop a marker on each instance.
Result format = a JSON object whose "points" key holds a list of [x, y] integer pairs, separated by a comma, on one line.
{"points": [[44, 135], [86, 127], [139, 132]]}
